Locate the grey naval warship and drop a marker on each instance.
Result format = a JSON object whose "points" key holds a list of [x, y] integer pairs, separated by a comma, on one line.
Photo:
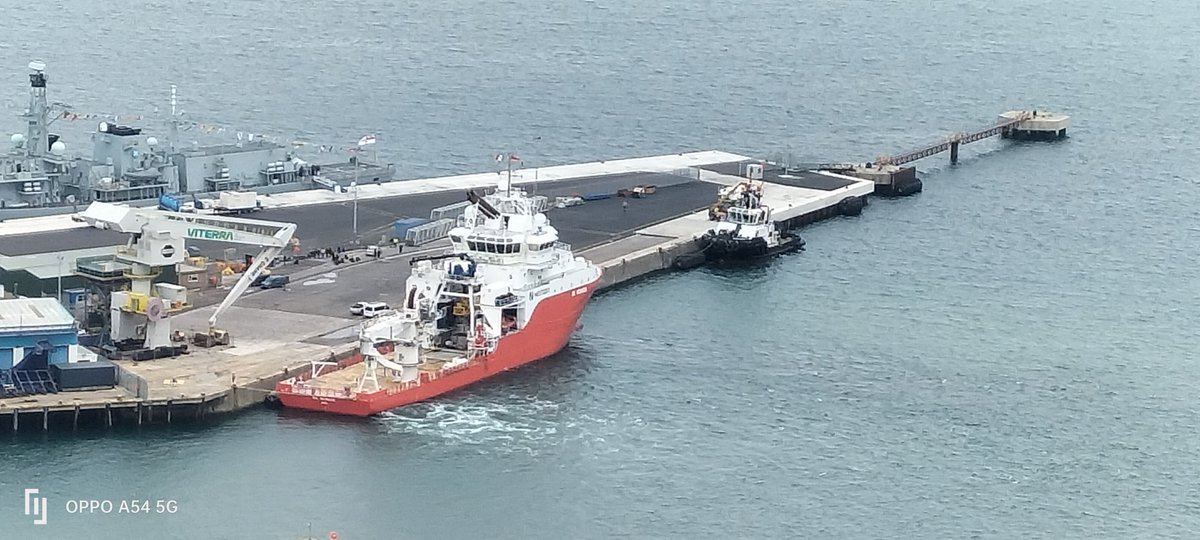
{"points": [[39, 177]]}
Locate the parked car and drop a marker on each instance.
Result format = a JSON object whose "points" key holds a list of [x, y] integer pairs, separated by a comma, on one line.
{"points": [[275, 282], [369, 309]]}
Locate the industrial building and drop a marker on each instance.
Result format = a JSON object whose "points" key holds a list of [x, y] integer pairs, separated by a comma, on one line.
{"points": [[42, 274], [38, 332]]}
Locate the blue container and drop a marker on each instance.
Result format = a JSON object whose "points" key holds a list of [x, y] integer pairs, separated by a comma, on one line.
{"points": [[170, 202], [403, 225], [597, 196]]}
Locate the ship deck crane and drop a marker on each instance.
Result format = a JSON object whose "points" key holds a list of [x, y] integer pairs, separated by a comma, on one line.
{"points": [[157, 239]]}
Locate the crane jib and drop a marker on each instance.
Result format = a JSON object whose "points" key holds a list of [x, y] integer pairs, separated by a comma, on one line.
{"points": [[209, 234]]}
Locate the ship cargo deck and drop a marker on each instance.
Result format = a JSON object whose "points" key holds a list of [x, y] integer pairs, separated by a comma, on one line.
{"points": [[277, 333]]}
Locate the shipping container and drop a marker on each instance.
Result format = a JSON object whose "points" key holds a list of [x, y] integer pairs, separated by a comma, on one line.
{"points": [[237, 201], [81, 375], [170, 203], [403, 225]]}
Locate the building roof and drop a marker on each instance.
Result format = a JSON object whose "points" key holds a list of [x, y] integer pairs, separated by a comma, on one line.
{"points": [[48, 266], [34, 313]]}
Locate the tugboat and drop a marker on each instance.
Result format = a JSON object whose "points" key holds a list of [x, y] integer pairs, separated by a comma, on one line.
{"points": [[744, 229], [508, 293]]}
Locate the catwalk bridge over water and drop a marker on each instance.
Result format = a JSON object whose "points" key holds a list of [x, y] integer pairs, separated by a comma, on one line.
{"points": [[891, 177], [1012, 124]]}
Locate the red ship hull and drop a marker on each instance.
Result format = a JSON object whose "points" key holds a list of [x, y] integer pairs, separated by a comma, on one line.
{"points": [[549, 328]]}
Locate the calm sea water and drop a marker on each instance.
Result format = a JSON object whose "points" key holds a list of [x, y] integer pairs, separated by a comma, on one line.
{"points": [[1007, 355]]}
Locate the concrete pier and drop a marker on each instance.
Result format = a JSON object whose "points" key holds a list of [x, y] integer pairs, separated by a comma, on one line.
{"points": [[1035, 125], [889, 180], [279, 332]]}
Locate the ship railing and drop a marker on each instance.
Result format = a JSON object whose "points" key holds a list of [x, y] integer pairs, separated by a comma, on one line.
{"points": [[426, 378], [302, 388], [562, 246], [318, 365]]}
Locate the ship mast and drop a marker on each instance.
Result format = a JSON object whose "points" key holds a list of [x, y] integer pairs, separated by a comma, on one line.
{"points": [[38, 132], [508, 184], [173, 125]]}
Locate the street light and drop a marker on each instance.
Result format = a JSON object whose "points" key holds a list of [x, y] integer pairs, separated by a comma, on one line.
{"points": [[354, 188], [60, 272]]}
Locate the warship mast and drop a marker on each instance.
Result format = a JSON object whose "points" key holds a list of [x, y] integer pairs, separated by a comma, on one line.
{"points": [[173, 125], [37, 143]]}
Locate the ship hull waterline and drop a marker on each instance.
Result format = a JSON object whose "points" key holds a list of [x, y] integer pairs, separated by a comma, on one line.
{"points": [[549, 329], [718, 248]]}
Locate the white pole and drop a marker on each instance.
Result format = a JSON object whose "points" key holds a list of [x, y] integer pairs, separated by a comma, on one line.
{"points": [[508, 185], [60, 262], [354, 186]]}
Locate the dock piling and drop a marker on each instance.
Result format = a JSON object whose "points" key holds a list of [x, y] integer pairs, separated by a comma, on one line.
{"points": [[75, 421], [45, 418], [108, 410]]}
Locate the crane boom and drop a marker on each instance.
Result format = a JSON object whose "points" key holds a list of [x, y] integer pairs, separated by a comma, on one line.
{"points": [[271, 236]]}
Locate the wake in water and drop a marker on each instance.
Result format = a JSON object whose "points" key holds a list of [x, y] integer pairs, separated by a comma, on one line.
{"points": [[519, 424]]}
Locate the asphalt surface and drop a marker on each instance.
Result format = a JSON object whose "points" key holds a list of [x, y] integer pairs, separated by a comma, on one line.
{"points": [[331, 293], [777, 175], [329, 290], [331, 224]]}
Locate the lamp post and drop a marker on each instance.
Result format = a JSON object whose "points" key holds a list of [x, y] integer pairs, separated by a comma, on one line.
{"points": [[60, 272], [354, 188]]}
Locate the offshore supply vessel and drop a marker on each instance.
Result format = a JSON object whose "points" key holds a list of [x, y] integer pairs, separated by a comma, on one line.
{"points": [[507, 293]]}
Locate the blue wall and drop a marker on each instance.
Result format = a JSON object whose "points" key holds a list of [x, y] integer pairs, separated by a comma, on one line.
{"points": [[59, 340]]}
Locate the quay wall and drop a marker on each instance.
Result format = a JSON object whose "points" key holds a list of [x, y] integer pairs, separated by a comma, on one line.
{"points": [[675, 253]]}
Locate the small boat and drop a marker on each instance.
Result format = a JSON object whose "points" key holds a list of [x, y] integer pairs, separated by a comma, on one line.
{"points": [[744, 229]]}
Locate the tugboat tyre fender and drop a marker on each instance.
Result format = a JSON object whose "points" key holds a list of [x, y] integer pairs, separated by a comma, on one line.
{"points": [[851, 206]]}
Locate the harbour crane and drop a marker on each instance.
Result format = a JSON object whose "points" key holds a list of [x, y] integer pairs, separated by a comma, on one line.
{"points": [[157, 240]]}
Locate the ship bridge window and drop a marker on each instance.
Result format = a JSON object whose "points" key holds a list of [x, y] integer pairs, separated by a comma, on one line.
{"points": [[503, 246], [737, 215]]}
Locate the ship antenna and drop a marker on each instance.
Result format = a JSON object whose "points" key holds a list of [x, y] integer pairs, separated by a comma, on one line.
{"points": [[174, 125], [508, 184]]}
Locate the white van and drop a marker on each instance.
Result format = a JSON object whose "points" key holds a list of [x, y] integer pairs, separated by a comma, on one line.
{"points": [[369, 309]]}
